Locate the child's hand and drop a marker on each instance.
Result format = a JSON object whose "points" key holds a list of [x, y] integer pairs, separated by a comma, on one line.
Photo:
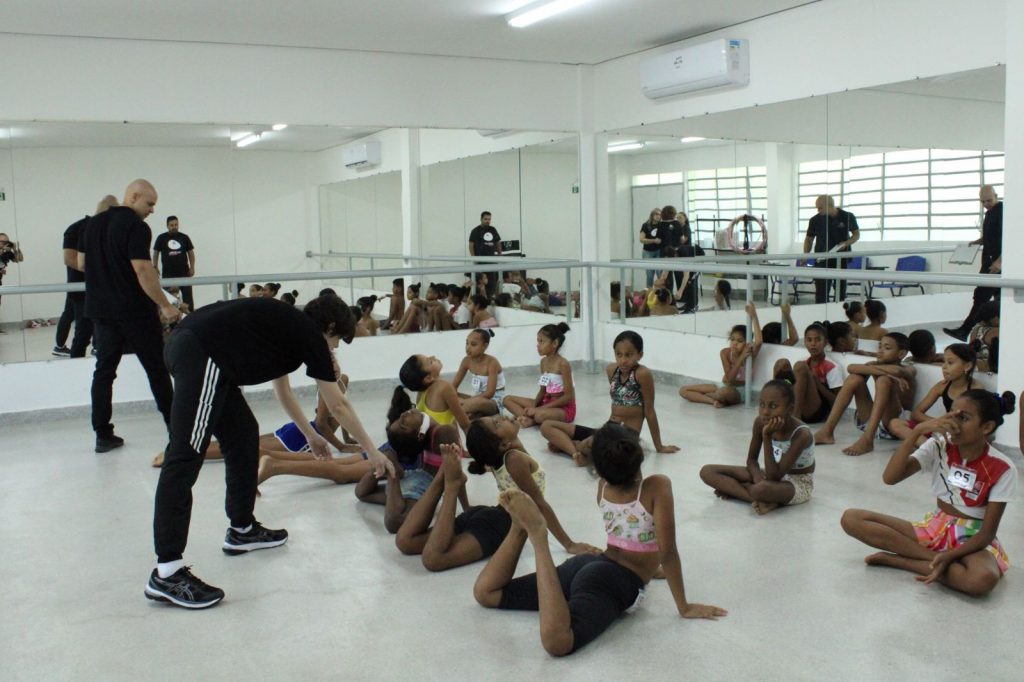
{"points": [[530, 411], [665, 449], [771, 426], [751, 309], [939, 565], [947, 423], [744, 351], [785, 309], [702, 611]]}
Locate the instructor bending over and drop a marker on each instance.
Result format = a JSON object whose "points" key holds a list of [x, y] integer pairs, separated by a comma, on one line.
{"points": [[211, 354]]}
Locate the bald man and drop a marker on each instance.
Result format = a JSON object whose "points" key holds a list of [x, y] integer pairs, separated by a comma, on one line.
{"points": [[124, 300], [832, 229], [991, 242]]}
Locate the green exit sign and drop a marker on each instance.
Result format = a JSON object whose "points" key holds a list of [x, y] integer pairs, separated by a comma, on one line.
{"points": [[3, 197]]}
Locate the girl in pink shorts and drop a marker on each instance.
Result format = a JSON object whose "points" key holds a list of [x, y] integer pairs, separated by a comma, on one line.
{"points": [[556, 396]]}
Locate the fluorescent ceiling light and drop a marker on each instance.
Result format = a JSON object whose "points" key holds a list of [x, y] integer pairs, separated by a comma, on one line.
{"points": [[279, 126], [246, 141], [625, 147], [539, 11], [235, 137], [686, 140]]}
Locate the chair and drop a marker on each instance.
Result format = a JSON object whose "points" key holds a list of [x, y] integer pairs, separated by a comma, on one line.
{"points": [[857, 263], [904, 264], [778, 284]]}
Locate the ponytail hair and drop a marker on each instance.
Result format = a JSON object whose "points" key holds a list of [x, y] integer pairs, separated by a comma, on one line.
{"points": [[555, 333], [485, 335], [415, 289], [484, 447], [407, 446], [617, 454], [852, 308]]}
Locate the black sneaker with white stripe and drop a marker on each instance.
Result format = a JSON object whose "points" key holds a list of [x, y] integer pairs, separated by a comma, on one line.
{"points": [[181, 588], [258, 537]]}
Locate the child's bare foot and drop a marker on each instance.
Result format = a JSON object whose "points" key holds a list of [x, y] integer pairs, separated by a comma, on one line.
{"points": [[862, 446], [580, 459], [880, 559], [763, 508], [722, 496], [523, 511], [158, 461], [659, 573], [266, 469], [718, 403], [526, 422], [452, 465], [824, 437]]}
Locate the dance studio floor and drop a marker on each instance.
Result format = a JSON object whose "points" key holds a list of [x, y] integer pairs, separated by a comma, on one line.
{"points": [[339, 601]]}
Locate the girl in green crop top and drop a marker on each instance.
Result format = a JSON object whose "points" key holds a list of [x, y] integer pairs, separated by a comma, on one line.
{"points": [[494, 445], [787, 446], [631, 388], [582, 597]]}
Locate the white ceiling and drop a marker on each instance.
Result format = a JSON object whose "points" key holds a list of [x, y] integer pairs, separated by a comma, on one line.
{"points": [[595, 32], [84, 134]]}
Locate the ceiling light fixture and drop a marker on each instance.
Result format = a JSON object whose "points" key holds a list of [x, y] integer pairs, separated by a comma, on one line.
{"points": [[625, 147], [246, 141], [539, 11], [687, 140], [277, 127]]}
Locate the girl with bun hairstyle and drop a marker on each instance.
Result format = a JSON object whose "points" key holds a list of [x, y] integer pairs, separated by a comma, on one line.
{"points": [[486, 378], [556, 395], [876, 314]]}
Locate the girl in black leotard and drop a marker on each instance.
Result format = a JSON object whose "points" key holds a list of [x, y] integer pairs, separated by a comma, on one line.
{"points": [[958, 364]]}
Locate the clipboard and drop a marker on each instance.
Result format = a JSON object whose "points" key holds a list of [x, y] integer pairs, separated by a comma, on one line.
{"points": [[965, 254]]}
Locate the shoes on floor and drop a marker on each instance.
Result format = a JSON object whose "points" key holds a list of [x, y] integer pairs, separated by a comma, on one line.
{"points": [[182, 589], [959, 334], [108, 443], [93, 351], [258, 537], [61, 352]]}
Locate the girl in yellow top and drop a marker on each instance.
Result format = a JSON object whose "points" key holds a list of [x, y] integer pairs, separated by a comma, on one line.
{"points": [[435, 397]]}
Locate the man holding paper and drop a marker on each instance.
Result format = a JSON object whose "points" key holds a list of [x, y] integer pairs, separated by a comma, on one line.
{"points": [[831, 230], [991, 242]]}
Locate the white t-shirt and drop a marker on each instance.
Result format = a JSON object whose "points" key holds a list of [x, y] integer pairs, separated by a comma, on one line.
{"points": [[461, 315], [967, 486]]}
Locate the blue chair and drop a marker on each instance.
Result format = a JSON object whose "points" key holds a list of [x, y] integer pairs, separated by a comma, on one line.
{"points": [[779, 284], [904, 264]]}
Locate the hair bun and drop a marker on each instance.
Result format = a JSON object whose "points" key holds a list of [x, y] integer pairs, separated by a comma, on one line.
{"points": [[563, 327]]}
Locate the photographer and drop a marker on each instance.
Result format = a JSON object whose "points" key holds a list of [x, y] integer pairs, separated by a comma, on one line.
{"points": [[9, 253]]}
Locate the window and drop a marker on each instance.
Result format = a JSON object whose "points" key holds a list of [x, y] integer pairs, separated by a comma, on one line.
{"points": [[910, 194]]}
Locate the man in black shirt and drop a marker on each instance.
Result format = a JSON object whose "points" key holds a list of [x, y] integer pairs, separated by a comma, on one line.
{"points": [[484, 240], [991, 241], [832, 229], [211, 354], [174, 256], [74, 302], [122, 298]]}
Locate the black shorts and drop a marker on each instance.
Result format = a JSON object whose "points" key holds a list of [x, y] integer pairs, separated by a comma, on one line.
{"points": [[583, 433], [488, 525], [598, 590], [820, 415]]}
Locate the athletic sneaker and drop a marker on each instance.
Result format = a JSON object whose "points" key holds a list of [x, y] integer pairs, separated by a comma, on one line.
{"points": [[258, 537], [108, 443], [61, 352], [182, 588], [960, 334]]}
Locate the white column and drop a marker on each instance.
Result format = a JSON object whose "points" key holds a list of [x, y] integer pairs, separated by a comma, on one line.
{"points": [[411, 243], [1011, 319], [783, 232]]}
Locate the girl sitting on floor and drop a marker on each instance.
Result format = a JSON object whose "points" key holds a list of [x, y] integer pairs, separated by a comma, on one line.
{"points": [[856, 315], [486, 378], [787, 447], [734, 369], [958, 362], [772, 332], [956, 544], [412, 320], [582, 597], [816, 380], [480, 316], [435, 397], [877, 315], [556, 397], [631, 387], [367, 326], [841, 337]]}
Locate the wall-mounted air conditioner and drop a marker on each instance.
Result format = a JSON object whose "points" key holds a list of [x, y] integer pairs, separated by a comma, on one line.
{"points": [[361, 155], [719, 63]]}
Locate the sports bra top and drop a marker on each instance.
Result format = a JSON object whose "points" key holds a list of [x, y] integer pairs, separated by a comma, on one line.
{"points": [[479, 382], [629, 525], [504, 479], [442, 418], [781, 447], [947, 402], [552, 382], [625, 393]]}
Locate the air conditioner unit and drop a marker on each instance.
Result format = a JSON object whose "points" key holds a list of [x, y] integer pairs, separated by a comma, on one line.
{"points": [[719, 63], [361, 155]]}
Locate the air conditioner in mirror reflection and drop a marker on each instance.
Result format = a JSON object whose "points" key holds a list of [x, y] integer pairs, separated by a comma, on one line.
{"points": [[361, 155], [716, 64]]}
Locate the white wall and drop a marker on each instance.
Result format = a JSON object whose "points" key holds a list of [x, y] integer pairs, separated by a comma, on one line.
{"points": [[246, 211]]}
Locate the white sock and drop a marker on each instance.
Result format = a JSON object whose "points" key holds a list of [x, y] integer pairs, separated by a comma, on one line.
{"points": [[242, 530], [170, 568]]}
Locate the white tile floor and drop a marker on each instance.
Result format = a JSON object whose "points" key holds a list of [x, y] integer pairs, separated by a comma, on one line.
{"points": [[339, 601]]}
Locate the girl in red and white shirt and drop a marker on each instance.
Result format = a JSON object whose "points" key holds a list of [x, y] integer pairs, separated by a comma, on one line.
{"points": [[956, 544]]}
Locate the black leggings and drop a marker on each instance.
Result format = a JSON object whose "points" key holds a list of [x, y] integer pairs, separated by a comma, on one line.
{"points": [[598, 590]]}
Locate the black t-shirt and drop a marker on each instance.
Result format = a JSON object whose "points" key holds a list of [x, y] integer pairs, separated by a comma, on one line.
{"points": [[255, 340], [653, 232], [110, 242], [828, 231], [71, 237], [485, 240], [674, 232], [173, 250], [992, 236]]}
